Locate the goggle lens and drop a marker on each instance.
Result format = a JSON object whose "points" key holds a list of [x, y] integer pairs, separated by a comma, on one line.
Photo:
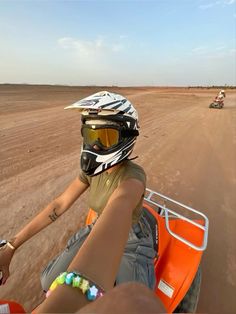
{"points": [[108, 137]]}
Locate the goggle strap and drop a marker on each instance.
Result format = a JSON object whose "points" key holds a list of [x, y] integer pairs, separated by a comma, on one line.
{"points": [[129, 133]]}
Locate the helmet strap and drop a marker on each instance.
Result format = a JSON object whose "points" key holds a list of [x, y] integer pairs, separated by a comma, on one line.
{"points": [[133, 158]]}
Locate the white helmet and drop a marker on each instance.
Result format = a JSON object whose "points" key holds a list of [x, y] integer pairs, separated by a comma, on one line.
{"points": [[222, 93], [110, 122]]}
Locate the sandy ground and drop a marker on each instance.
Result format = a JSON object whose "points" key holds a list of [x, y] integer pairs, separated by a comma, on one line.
{"points": [[187, 150]]}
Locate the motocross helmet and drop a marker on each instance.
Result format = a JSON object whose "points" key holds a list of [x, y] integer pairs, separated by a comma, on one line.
{"points": [[222, 92], [109, 130]]}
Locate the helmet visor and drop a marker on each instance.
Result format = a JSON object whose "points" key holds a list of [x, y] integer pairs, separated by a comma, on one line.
{"points": [[101, 135]]}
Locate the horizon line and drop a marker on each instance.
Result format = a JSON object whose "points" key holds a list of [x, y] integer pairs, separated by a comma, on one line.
{"points": [[122, 86]]}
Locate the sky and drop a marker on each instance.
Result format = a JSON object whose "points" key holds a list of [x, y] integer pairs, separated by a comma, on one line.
{"points": [[118, 42]]}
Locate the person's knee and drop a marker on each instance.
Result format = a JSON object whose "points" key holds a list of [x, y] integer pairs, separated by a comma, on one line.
{"points": [[47, 276], [45, 283]]}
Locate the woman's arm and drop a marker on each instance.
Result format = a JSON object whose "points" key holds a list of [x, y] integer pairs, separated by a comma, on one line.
{"points": [[100, 255], [130, 297], [48, 215], [51, 212]]}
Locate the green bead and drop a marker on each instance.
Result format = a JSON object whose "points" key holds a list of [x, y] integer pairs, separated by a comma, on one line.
{"points": [[61, 278], [76, 282]]}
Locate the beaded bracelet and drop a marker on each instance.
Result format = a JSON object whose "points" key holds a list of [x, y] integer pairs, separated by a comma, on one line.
{"points": [[91, 290]]}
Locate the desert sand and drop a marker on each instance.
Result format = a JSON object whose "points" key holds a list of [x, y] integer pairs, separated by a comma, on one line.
{"points": [[187, 150]]}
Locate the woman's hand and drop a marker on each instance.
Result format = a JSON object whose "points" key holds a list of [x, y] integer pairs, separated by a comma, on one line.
{"points": [[6, 255]]}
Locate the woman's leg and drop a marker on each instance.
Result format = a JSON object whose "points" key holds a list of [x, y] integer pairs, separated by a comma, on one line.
{"points": [[137, 263], [60, 263]]}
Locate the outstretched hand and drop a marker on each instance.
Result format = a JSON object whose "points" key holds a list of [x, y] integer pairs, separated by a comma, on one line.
{"points": [[6, 255]]}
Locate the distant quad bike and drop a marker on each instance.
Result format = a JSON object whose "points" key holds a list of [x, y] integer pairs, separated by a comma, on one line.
{"points": [[179, 242], [217, 104]]}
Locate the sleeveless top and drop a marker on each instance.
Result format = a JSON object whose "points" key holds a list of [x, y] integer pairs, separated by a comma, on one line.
{"points": [[103, 185]]}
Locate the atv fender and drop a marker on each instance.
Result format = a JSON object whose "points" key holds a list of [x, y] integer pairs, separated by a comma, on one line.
{"points": [[176, 264]]}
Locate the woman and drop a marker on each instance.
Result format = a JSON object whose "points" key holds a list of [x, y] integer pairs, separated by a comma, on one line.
{"points": [[118, 247]]}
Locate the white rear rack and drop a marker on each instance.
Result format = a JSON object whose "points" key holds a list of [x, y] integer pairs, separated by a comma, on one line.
{"points": [[166, 212]]}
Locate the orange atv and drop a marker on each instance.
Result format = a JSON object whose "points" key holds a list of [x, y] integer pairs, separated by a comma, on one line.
{"points": [[179, 241]]}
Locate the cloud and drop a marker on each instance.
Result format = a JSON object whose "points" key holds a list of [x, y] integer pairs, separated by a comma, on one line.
{"points": [[221, 54], [220, 48], [216, 3], [89, 48], [229, 2], [206, 6], [199, 50], [97, 60], [123, 36], [213, 52]]}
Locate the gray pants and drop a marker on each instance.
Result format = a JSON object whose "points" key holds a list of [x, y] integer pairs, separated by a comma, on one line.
{"points": [[136, 263]]}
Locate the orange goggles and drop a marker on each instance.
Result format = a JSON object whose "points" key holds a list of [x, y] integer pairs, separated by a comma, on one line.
{"points": [[106, 136]]}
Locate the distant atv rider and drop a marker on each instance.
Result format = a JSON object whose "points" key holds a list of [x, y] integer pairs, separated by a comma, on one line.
{"points": [[109, 130], [220, 97]]}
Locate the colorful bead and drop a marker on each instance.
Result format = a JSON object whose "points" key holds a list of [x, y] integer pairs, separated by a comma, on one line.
{"points": [[92, 293], [69, 278], [84, 286], [53, 285], [76, 282], [61, 278], [100, 294]]}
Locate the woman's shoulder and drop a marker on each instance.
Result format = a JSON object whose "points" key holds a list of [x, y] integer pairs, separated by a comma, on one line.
{"points": [[133, 170], [84, 178], [133, 165]]}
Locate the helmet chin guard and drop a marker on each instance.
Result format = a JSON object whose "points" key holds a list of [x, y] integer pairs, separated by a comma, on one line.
{"points": [[93, 161]]}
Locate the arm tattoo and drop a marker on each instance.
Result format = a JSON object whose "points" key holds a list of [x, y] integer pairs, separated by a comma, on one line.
{"points": [[54, 215]]}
